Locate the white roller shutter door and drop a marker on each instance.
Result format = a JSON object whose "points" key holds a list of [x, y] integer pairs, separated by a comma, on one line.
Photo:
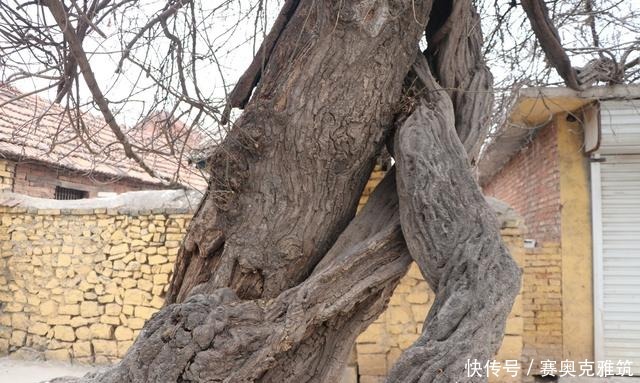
{"points": [[616, 233], [619, 290]]}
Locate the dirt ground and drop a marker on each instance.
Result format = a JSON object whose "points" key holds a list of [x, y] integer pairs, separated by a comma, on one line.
{"points": [[22, 371]]}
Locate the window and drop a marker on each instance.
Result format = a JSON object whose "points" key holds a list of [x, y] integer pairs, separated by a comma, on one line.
{"points": [[68, 193]]}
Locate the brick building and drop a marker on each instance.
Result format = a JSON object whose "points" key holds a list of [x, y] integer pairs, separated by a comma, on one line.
{"points": [[44, 153], [568, 163]]}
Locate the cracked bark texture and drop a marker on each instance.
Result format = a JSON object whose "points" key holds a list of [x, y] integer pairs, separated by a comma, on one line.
{"points": [[453, 236], [287, 178], [245, 303]]}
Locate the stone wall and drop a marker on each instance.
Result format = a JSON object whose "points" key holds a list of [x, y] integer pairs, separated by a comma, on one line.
{"points": [[542, 304], [80, 283]]}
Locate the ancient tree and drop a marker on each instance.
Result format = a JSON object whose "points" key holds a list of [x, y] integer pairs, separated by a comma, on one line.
{"points": [[277, 275]]}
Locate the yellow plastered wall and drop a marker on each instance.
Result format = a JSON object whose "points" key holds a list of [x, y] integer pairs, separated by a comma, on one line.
{"points": [[79, 284], [577, 267]]}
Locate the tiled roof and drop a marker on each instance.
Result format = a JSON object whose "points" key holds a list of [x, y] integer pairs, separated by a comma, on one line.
{"points": [[34, 129]]}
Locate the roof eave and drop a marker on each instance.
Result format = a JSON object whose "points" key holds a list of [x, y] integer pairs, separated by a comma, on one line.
{"points": [[55, 165], [534, 108]]}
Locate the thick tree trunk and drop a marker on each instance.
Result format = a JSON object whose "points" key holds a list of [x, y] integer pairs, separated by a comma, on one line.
{"points": [[287, 179], [276, 278], [285, 185], [455, 53]]}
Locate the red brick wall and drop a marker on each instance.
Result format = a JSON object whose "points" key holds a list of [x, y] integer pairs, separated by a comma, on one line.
{"points": [[38, 180], [530, 183]]}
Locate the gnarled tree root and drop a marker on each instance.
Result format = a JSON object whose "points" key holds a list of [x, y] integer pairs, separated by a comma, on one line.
{"points": [[303, 335]]}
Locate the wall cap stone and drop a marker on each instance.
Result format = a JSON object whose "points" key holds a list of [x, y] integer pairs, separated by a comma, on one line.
{"points": [[506, 215], [145, 202]]}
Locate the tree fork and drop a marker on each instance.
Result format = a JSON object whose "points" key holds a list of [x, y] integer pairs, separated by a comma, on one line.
{"points": [[304, 334], [288, 176], [260, 295]]}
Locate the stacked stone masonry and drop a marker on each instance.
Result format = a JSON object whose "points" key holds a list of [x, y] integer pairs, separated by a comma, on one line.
{"points": [[7, 171], [542, 305], [79, 284]]}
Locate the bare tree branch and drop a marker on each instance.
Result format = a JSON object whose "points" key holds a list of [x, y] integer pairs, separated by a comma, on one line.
{"points": [[549, 39], [61, 17]]}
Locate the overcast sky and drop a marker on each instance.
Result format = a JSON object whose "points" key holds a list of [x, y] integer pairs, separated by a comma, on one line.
{"points": [[226, 28]]}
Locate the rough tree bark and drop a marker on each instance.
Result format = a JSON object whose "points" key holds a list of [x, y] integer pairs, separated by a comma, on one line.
{"points": [[449, 228], [276, 278], [452, 235], [297, 337], [454, 48], [287, 178]]}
